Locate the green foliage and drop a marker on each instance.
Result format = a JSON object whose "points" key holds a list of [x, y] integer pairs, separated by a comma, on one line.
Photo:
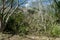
{"points": [[55, 31], [57, 9], [16, 24]]}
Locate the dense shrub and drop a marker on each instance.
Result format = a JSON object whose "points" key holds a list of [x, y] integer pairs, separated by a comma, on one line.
{"points": [[36, 23], [16, 24], [55, 31]]}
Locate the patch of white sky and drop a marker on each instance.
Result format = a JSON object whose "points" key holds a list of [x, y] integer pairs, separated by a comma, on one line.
{"points": [[44, 2], [29, 3]]}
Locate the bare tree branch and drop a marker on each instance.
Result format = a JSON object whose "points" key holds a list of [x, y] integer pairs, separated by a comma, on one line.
{"points": [[10, 14]]}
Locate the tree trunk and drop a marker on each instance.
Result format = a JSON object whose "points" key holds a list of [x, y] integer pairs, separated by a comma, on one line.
{"points": [[2, 21], [12, 3]]}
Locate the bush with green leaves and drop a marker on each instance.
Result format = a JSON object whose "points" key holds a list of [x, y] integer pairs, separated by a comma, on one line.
{"points": [[16, 24], [55, 30]]}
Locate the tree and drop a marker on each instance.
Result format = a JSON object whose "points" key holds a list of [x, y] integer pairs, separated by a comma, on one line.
{"points": [[12, 3], [57, 9], [6, 12]]}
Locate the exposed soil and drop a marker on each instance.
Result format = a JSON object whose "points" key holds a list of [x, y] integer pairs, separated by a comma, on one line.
{"points": [[27, 37]]}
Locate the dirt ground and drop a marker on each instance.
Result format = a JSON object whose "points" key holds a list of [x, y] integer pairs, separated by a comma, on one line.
{"points": [[27, 37]]}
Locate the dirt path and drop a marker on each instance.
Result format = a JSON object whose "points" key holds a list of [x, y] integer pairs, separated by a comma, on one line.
{"points": [[27, 37]]}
